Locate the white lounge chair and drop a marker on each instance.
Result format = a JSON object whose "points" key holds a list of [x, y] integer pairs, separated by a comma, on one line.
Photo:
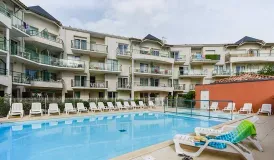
{"points": [[141, 104], [16, 109], [69, 108], [133, 104], [215, 132], [246, 108], [213, 106], [102, 106], [230, 107], [151, 104], [126, 104], [120, 106], [36, 108], [93, 107], [111, 107], [53, 108], [266, 108], [81, 108], [190, 141]]}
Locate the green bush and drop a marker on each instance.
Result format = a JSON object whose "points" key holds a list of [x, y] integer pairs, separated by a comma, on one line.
{"points": [[267, 70], [4, 106], [212, 56]]}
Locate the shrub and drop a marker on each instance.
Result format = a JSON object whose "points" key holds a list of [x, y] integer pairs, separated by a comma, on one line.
{"points": [[212, 56], [4, 106], [267, 70]]}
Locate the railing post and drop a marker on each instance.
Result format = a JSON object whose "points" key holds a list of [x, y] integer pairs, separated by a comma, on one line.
{"points": [[191, 107], [232, 111], [165, 105], [209, 109], [176, 105]]}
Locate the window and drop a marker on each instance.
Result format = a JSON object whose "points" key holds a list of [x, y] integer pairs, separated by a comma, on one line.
{"points": [[112, 94], [155, 52], [80, 81], [80, 44], [143, 81], [112, 65], [32, 30], [143, 68], [154, 82], [123, 48], [77, 94], [175, 55], [123, 82], [101, 95], [184, 86], [143, 95]]}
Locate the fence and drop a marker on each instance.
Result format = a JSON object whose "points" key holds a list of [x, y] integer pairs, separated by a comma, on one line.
{"points": [[204, 108]]}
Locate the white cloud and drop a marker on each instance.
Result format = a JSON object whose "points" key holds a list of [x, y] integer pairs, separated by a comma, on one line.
{"points": [[180, 21]]}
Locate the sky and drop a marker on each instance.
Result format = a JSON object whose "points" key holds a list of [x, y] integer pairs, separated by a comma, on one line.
{"points": [[176, 21]]}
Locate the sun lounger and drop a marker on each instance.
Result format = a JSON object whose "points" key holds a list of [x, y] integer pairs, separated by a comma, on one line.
{"points": [[16, 109], [227, 142], [213, 106], [141, 104], [151, 104], [69, 108], [120, 106], [226, 128], [230, 107], [102, 106], [133, 104], [266, 108], [36, 108], [246, 108], [111, 107], [93, 107], [126, 104], [53, 108], [81, 108]]}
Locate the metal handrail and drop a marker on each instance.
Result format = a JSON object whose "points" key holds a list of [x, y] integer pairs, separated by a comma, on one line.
{"points": [[43, 34]]}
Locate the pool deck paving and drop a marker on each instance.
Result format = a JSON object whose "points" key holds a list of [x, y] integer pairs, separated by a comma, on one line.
{"points": [[166, 151]]}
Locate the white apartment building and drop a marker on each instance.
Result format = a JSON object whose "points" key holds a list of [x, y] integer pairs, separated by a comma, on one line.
{"points": [[42, 58]]}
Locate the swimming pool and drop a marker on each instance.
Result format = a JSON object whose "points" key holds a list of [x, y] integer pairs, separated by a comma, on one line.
{"points": [[92, 138]]}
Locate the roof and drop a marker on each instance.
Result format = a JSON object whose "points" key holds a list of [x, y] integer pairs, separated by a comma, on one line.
{"points": [[244, 77], [248, 39], [18, 2], [151, 37], [39, 10]]}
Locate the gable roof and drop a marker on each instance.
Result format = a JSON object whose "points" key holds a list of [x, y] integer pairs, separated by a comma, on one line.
{"points": [[39, 10], [151, 37], [248, 39]]}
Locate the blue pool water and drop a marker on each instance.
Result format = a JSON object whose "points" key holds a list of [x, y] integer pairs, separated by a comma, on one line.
{"points": [[91, 138]]}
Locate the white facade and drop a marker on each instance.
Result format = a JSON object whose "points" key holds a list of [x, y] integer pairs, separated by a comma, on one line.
{"points": [[40, 57]]}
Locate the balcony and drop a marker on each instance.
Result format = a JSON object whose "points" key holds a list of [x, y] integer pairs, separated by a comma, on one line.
{"points": [[221, 73], [123, 54], [242, 71], [5, 17], [124, 87], [162, 87], [86, 84], [20, 79], [31, 58], [19, 27], [45, 40], [180, 59], [42, 82], [154, 71], [241, 56], [101, 68], [208, 59], [3, 46], [192, 74], [192, 87], [4, 77], [152, 56], [95, 50]]}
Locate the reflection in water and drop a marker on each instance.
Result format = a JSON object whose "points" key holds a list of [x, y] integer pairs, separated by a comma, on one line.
{"points": [[101, 138]]}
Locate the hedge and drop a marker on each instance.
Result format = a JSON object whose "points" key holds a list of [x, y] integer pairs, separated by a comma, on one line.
{"points": [[213, 56]]}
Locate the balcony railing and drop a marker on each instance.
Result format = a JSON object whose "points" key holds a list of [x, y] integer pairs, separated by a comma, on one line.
{"points": [[221, 72], [180, 58], [192, 86], [89, 46], [233, 54], [179, 86], [192, 72], [18, 77], [241, 71], [153, 53], [89, 84], [105, 66], [198, 57], [44, 59], [149, 84], [3, 71], [4, 11], [3, 44], [19, 24], [123, 86], [154, 70], [45, 35], [123, 52], [45, 78]]}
